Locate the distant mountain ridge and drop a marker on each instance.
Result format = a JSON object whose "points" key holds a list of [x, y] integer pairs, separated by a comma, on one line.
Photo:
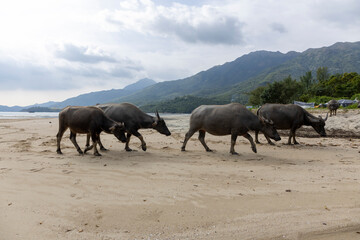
{"points": [[89, 98]]}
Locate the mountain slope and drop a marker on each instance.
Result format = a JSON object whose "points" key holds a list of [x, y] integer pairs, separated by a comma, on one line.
{"points": [[213, 81], [338, 58], [104, 96]]}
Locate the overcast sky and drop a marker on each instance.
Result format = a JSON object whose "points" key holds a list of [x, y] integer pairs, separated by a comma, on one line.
{"points": [[51, 50]]}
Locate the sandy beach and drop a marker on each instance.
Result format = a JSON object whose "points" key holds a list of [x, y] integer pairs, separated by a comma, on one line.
{"points": [[308, 191]]}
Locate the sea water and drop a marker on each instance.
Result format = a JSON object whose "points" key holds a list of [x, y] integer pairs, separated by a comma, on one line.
{"points": [[27, 115]]}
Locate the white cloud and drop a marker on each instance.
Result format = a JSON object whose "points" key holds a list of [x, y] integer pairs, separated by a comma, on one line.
{"points": [[204, 24], [76, 46]]}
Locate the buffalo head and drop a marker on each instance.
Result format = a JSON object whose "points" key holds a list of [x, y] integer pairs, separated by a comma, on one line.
{"points": [[269, 129], [319, 124], [119, 131], [160, 125]]}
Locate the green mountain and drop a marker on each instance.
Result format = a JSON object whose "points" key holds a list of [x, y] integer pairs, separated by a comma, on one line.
{"points": [[338, 58], [213, 81], [233, 80]]}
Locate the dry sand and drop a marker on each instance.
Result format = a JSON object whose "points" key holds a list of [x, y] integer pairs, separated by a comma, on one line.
{"points": [[308, 191]]}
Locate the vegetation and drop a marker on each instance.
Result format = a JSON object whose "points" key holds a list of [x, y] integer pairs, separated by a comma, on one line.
{"points": [[184, 104], [319, 90]]}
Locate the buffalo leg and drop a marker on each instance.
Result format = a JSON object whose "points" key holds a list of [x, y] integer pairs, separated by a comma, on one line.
{"points": [[95, 139], [257, 136], [202, 140], [253, 146], [102, 148], [73, 140], [58, 138], [143, 143], [295, 142], [232, 146], [187, 137], [87, 146], [128, 135], [268, 139], [292, 135]]}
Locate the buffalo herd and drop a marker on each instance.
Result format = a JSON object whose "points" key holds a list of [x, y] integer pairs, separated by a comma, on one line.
{"points": [[231, 119]]}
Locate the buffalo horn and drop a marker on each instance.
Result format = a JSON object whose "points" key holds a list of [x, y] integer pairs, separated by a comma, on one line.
{"points": [[157, 114], [326, 117]]}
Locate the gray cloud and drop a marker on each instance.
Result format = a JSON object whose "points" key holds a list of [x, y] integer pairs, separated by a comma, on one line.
{"points": [[341, 13], [225, 30], [24, 75], [278, 27], [80, 54]]}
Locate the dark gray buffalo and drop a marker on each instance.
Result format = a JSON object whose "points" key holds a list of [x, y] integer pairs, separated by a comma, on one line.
{"points": [[290, 116], [333, 105], [89, 120], [133, 119], [231, 119]]}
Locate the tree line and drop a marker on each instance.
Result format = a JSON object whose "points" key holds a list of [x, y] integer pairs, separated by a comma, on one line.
{"points": [[318, 89]]}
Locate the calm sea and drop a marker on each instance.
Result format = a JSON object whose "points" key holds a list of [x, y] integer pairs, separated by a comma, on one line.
{"points": [[26, 115]]}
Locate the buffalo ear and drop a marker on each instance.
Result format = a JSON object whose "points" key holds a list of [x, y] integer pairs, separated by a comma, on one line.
{"points": [[154, 123], [266, 121], [112, 129]]}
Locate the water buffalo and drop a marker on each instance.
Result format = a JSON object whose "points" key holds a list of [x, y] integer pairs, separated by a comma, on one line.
{"points": [[233, 119], [290, 116], [89, 120], [333, 105], [133, 119]]}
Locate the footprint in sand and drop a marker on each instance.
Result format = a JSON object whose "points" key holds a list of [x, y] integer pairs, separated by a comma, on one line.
{"points": [[36, 169]]}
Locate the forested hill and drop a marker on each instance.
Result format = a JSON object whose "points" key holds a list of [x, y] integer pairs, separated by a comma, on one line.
{"points": [[213, 81], [338, 58], [233, 80]]}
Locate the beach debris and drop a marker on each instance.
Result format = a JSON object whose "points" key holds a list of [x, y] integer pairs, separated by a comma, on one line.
{"points": [[326, 208], [288, 190]]}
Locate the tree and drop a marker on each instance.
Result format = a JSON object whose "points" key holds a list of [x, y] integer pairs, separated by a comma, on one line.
{"points": [[255, 94], [322, 74], [285, 91], [307, 81]]}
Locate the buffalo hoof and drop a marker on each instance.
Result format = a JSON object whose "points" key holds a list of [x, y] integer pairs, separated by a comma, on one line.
{"points": [[103, 149], [87, 148], [271, 143], [97, 154], [143, 147], [59, 151], [209, 150], [254, 149], [128, 149], [80, 152], [296, 143], [234, 153], [183, 149]]}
